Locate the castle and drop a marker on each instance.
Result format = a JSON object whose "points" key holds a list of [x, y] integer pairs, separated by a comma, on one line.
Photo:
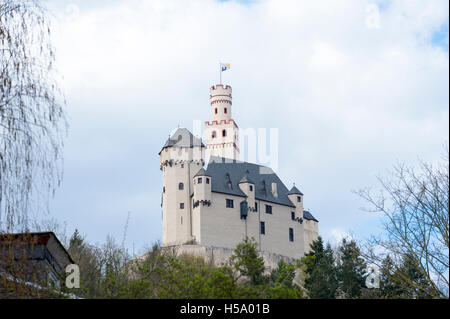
{"points": [[209, 210]]}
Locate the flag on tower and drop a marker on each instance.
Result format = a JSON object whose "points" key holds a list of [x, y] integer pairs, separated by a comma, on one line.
{"points": [[224, 66]]}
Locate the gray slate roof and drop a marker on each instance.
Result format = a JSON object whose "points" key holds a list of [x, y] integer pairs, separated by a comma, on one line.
{"points": [[295, 190], [223, 171], [201, 172], [183, 138], [308, 215], [245, 179]]}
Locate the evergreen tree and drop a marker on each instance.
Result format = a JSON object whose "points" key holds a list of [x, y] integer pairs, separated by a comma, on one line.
{"points": [[413, 281], [321, 281], [389, 287], [76, 240], [350, 269], [247, 261]]}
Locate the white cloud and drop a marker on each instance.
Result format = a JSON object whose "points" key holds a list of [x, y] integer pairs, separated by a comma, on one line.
{"points": [[348, 100], [337, 235]]}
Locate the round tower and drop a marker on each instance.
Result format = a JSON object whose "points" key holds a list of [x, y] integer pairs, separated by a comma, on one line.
{"points": [[180, 159], [221, 101], [222, 133]]}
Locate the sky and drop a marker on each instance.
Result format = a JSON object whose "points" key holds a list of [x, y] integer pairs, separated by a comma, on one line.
{"points": [[352, 87]]}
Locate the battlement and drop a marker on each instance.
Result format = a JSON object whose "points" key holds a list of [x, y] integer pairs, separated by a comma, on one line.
{"points": [[207, 123], [220, 89]]}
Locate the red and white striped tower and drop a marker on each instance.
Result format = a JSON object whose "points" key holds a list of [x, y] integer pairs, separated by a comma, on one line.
{"points": [[222, 133]]}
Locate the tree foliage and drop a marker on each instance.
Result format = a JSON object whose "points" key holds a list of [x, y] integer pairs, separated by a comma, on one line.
{"points": [[321, 275], [414, 202], [109, 272], [351, 269]]}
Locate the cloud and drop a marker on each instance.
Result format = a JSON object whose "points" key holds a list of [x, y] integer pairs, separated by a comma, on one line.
{"points": [[348, 99], [337, 235]]}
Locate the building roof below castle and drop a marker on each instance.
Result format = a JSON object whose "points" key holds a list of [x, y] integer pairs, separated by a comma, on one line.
{"points": [[227, 173], [183, 138]]}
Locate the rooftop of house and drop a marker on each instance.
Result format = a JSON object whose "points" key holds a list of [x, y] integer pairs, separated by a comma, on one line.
{"points": [[37, 241]]}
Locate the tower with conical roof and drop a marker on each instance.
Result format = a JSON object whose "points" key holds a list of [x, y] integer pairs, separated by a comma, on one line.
{"points": [[181, 157]]}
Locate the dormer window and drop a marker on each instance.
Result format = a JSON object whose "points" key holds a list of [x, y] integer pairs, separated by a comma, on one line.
{"points": [[228, 181]]}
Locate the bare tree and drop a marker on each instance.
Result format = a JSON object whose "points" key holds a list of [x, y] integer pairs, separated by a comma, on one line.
{"points": [[414, 202], [32, 118]]}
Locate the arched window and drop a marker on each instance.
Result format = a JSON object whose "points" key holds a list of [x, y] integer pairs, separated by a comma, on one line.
{"points": [[224, 133], [214, 134], [215, 110], [181, 186], [225, 110]]}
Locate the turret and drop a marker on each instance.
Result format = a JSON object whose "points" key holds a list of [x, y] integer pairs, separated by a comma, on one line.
{"points": [[221, 101], [222, 133], [248, 188], [296, 197], [180, 158], [202, 188]]}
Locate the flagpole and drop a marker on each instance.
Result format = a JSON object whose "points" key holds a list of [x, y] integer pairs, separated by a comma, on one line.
{"points": [[220, 71]]}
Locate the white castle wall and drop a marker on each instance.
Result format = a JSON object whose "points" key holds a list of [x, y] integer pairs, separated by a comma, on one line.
{"points": [[220, 255], [178, 165], [219, 226]]}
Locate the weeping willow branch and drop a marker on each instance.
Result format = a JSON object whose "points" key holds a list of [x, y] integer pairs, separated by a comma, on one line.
{"points": [[32, 118]]}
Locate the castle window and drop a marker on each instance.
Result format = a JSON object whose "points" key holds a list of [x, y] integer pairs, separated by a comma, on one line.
{"points": [[256, 206], [291, 234], [215, 110], [182, 165], [229, 203], [262, 228], [299, 199], [251, 188], [293, 215], [181, 220], [224, 133], [214, 134], [268, 209], [181, 205], [181, 186], [207, 180], [199, 180], [164, 189], [225, 110]]}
